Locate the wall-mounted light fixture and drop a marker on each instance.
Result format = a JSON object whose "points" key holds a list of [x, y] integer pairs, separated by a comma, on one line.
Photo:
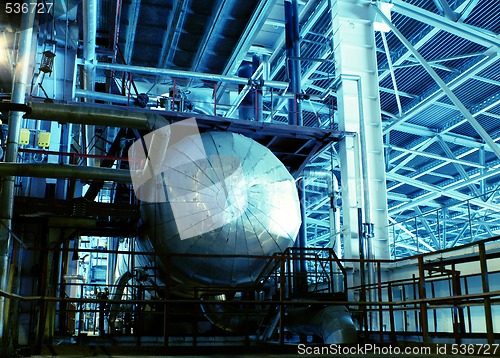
{"points": [[47, 61]]}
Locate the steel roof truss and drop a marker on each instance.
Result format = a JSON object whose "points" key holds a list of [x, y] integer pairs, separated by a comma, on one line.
{"points": [[465, 112]]}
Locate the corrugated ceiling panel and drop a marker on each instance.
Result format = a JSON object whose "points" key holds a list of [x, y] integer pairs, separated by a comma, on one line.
{"points": [[485, 15]]}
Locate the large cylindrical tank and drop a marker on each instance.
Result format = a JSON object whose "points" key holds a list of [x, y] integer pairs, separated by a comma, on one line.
{"points": [[220, 193]]}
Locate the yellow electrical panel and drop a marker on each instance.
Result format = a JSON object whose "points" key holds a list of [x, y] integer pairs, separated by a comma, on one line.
{"points": [[24, 137], [44, 139]]}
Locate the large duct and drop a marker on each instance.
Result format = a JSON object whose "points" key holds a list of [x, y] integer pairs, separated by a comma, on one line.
{"points": [[233, 317], [332, 323], [8, 185], [230, 197], [120, 285]]}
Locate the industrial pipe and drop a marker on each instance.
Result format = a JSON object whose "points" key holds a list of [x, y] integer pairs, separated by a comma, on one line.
{"points": [[246, 104], [107, 97], [233, 318], [300, 283], [64, 171], [15, 119], [96, 115], [292, 36], [332, 323], [257, 92], [186, 74], [89, 34], [121, 284], [333, 188], [89, 56]]}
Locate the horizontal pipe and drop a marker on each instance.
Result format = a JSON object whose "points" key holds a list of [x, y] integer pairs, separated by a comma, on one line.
{"points": [[108, 97], [186, 74], [70, 154], [64, 171], [96, 115]]}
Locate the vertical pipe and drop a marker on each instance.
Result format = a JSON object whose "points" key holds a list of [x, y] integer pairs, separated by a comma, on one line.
{"points": [[486, 288], [245, 110], [469, 318], [416, 313], [362, 266], [257, 92], [64, 147], [434, 311], [379, 293], [421, 296], [89, 56], [15, 118], [215, 98], [63, 306], [89, 35], [405, 317], [292, 41], [282, 298], [300, 265], [391, 313], [459, 326], [335, 217]]}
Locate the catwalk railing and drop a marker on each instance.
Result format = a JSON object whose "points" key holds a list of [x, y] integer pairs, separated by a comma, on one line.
{"points": [[452, 296], [452, 225]]}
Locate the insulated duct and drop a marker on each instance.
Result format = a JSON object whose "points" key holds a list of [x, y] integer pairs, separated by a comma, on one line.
{"points": [[89, 14], [8, 185], [120, 285], [225, 194], [64, 171], [233, 317], [96, 115], [332, 323]]}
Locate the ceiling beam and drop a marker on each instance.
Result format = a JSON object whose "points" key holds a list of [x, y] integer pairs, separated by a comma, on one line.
{"points": [[447, 90], [482, 64], [404, 94], [423, 220], [133, 19], [435, 156], [217, 20], [458, 165], [414, 151], [465, 31], [435, 192], [174, 24]]}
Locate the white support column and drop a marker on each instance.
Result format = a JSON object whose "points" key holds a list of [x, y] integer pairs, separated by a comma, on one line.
{"points": [[359, 111]]}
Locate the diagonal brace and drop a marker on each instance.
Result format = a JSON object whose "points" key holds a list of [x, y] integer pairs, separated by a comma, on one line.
{"points": [[465, 112]]}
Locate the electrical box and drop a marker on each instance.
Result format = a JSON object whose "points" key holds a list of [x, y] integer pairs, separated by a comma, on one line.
{"points": [[24, 137], [44, 139]]}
